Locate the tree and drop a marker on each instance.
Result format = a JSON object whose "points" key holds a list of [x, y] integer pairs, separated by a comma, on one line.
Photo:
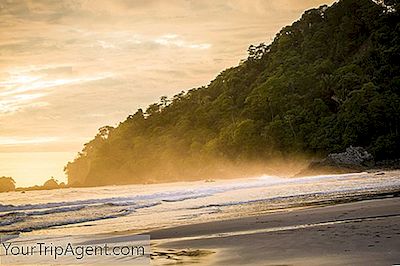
{"points": [[51, 184], [329, 80], [7, 184]]}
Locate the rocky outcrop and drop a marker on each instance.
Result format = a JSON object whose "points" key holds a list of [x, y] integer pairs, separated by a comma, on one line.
{"points": [[352, 160], [352, 157]]}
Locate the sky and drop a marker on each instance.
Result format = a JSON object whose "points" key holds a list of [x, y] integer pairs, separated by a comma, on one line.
{"points": [[69, 67]]}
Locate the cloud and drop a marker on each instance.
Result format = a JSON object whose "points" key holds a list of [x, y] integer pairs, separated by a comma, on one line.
{"points": [[175, 40], [122, 41], [70, 67], [106, 45], [19, 141], [22, 89]]}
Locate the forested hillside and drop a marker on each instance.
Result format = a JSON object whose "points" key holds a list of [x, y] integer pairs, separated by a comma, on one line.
{"points": [[328, 81]]}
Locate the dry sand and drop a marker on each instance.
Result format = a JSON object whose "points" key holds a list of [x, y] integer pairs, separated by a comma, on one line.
{"points": [[359, 233]]}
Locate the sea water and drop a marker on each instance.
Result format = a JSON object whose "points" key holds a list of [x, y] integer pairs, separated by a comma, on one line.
{"points": [[139, 208]]}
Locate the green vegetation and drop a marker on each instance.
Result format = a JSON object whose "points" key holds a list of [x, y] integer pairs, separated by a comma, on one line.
{"points": [[7, 184], [51, 184], [330, 80]]}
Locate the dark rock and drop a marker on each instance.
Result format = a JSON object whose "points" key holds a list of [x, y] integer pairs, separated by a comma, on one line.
{"points": [[354, 159]]}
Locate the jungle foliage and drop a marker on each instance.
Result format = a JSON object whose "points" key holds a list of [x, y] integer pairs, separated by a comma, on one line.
{"points": [[328, 81]]}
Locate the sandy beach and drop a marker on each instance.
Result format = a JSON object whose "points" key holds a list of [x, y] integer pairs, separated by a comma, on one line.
{"points": [[348, 219], [358, 233], [188, 132]]}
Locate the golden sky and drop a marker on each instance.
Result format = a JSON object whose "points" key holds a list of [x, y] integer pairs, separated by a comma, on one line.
{"points": [[70, 67]]}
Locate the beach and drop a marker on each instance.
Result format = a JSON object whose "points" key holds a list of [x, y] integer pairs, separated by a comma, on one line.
{"points": [[358, 233], [200, 132], [346, 219]]}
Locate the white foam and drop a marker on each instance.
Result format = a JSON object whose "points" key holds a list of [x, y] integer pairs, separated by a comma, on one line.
{"points": [[186, 200]]}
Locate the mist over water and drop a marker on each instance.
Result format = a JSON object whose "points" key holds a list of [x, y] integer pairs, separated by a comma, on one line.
{"points": [[141, 207]]}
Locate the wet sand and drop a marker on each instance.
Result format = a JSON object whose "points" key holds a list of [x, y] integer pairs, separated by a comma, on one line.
{"points": [[358, 233]]}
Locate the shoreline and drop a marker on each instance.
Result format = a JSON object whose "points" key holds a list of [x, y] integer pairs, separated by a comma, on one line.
{"points": [[138, 209], [351, 171], [339, 219], [381, 166], [365, 232]]}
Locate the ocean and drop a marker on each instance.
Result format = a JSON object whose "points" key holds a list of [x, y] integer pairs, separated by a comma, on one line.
{"points": [[139, 208]]}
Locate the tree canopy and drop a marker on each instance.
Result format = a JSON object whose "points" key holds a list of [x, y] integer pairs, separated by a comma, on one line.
{"points": [[328, 81], [7, 184]]}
